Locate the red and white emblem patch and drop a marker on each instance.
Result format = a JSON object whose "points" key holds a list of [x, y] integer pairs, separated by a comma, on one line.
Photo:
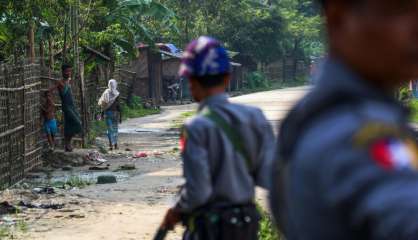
{"points": [[183, 140], [395, 154]]}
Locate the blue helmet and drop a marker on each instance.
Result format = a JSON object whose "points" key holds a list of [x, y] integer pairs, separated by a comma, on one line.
{"points": [[204, 56]]}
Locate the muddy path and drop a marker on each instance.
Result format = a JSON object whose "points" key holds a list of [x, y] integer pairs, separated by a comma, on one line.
{"points": [[134, 206]]}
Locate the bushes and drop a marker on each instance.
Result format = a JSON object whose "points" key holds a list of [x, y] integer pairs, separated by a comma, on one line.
{"points": [[97, 128], [256, 80], [413, 104], [404, 94], [267, 228], [136, 109]]}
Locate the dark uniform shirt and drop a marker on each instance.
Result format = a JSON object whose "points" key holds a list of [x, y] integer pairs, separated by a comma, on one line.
{"points": [[347, 164], [216, 174]]}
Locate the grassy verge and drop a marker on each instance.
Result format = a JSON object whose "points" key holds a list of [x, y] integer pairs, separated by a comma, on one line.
{"points": [[97, 128], [413, 104], [267, 228], [178, 123], [137, 111], [275, 86], [12, 232], [72, 182], [257, 81]]}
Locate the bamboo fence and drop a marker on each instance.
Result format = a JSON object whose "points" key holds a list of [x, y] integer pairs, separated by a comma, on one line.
{"points": [[21, 136]]}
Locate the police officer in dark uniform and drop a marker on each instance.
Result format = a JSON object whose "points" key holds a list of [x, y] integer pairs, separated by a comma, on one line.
{"points": [[227, 151], [347, 159]]}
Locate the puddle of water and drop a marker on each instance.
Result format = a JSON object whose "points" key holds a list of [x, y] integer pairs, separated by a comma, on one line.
{"points": [[140, 130], [88, 176], [92, 176]]}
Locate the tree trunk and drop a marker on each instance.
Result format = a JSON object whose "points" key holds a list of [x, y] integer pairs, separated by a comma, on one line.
{"points": [[186, 30], [295, 58], [42, 53], [51, 53], [284, 69], [31, 41], [64, 50]]}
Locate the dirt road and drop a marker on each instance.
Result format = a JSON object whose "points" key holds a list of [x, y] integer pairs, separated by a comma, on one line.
{"points": [[133, 208]]}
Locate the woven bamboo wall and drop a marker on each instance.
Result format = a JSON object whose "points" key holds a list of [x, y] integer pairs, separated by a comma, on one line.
{"points": [[125, 80], [21, 134], [19, 121], [32, 94]]}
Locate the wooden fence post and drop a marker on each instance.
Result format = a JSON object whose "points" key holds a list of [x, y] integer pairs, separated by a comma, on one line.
{"points": [[83, 104], [24, 119], [9, 180]]}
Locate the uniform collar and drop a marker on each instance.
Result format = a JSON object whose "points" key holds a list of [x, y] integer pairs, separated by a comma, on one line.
{"points": [[218, 99]]}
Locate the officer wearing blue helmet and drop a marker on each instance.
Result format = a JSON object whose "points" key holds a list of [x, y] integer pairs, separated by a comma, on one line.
{"points": [[347, 160], [227, 150]]}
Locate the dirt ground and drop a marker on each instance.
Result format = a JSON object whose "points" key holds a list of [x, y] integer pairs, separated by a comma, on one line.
{"points": [[133, 207]]}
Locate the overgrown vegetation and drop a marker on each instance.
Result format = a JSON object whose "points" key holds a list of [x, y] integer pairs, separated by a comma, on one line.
{"points": [[136, 109], [404, 94], [260, 31], [111, 26], [407, 98], [22, 226], [12, 231], [97, 128], [267, 229], [257, 81], [5, 233], [414, 110], [72, 182], [76, 181], [178, 123]]}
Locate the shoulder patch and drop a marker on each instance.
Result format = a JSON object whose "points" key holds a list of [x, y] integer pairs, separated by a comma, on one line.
{"points": [[389, 146], [372, 132], [183, 139], [395, 154]]}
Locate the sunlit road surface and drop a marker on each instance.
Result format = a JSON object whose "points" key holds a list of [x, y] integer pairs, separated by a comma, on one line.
{"points": [[275, 104], [133, 209]]}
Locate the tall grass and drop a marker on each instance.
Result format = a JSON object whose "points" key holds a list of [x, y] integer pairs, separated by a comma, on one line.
{"points": [[267, 230], [413, 104], [136, 109]]}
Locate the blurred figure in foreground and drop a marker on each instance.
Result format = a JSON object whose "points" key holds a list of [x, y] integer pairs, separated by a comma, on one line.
{"points": [[226, 150], [347, 165]]}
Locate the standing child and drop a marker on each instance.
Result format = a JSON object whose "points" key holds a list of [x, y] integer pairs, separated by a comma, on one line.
{"points": [[50, 123]]}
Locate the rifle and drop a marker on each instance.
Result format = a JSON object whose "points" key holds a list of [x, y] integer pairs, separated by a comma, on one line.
{"points": [[160, 234]]}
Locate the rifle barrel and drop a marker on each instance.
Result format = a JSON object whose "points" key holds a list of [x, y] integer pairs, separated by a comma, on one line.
{"points": [[160, 235]]}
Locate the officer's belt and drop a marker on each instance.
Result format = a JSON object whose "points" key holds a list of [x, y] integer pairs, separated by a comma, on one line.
{"points": [[215, 214]]}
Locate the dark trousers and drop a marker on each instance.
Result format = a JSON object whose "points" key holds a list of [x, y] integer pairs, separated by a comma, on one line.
{"points": [[237, 222]]}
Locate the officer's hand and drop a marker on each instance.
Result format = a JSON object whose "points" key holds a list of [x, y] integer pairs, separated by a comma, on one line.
{"points": [[172, 217]]}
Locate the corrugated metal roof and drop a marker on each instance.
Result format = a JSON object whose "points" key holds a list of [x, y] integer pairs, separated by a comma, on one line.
{"points": [[171, 55]]}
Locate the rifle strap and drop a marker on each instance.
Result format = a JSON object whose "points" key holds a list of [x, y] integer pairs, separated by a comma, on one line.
{"points": [[232, 134]]}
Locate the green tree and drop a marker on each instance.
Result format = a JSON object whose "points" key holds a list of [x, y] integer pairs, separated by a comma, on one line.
{"points": [[112, 26], [303, 30]]}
